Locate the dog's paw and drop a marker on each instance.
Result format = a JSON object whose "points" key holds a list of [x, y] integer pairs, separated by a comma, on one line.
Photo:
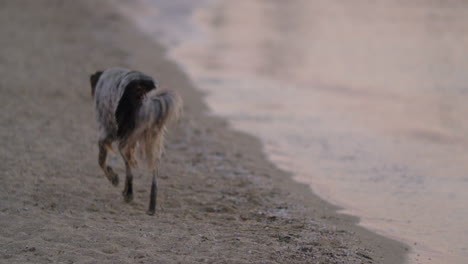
{"points": [[128, 197], [115, 180], [150, 212], [112, 176]]}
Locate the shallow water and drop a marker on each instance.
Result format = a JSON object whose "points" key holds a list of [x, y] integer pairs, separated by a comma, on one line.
{"points": [[366, 101]]}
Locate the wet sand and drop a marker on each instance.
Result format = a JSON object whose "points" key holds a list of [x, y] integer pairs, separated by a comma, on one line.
{"points": [[220, 200]]}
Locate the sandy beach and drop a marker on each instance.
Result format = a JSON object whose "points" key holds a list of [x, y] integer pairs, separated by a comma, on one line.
{"points": [[220, 200]]}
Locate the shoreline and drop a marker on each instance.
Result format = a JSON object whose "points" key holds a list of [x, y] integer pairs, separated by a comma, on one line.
{"points": [[220, 199]]}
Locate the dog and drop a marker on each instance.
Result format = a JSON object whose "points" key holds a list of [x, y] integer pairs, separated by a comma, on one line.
{"points": [[132, 111]]}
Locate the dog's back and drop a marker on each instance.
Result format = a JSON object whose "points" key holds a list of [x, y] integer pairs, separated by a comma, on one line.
{"points": [[117, 97]]}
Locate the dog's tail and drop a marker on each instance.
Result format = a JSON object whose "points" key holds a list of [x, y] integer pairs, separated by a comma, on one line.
{"points": [[157, 109]]}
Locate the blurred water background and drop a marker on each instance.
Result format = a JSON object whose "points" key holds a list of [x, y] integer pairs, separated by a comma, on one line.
{"points": [[365, 101]]}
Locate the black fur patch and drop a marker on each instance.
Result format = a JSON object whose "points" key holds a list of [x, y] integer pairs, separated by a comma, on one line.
{"points": [[93, 79], [130, 104]]}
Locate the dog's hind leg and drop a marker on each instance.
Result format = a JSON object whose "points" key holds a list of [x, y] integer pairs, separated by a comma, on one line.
{"points": [[126, 153], [154, 192], [104, 145]]}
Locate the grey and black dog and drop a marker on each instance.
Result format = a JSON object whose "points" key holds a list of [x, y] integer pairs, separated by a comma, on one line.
{"points": [[131, 110]]}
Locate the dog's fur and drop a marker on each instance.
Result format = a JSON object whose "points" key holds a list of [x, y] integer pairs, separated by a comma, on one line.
{"points": [[131, 111]]}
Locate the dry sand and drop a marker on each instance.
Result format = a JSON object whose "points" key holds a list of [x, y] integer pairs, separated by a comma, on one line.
{"points": [[220, 200]]}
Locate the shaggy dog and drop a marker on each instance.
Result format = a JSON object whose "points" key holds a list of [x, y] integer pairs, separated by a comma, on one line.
{"points": [[132, 111]]}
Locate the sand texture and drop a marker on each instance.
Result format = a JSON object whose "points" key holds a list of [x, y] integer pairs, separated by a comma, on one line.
{"points": [[220, 200]]}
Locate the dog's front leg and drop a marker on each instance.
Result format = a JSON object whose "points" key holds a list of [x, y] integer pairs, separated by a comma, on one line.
{"points": [[128, 189]]}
